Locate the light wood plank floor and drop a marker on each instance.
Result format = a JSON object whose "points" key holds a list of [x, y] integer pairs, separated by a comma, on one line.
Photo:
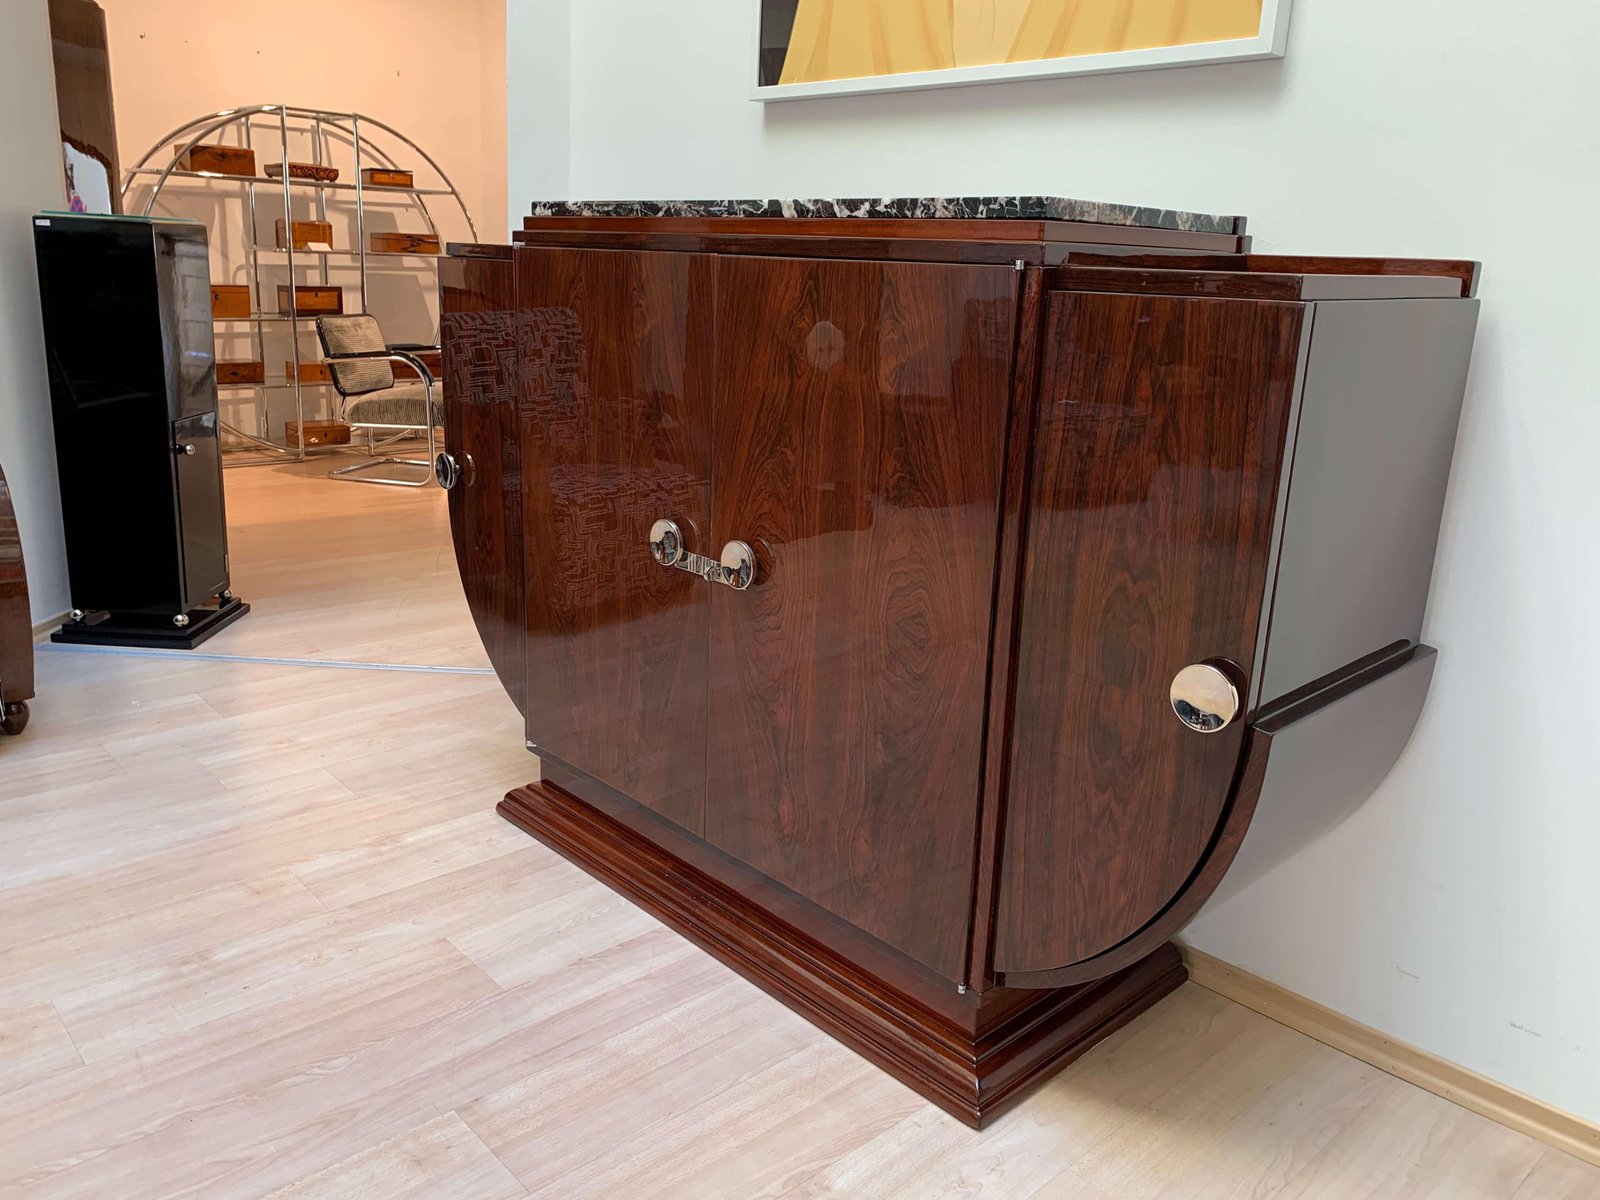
{"points": [[261, 934]]}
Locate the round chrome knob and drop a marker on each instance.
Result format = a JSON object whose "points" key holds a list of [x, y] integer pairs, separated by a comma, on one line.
{"points": [[1205, 698], [185, 448], [738, 565], [666, 542], [446, 470], [181, 620]]}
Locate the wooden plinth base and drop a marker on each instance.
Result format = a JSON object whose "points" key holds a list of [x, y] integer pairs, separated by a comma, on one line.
{"points": [[973, 1076]]}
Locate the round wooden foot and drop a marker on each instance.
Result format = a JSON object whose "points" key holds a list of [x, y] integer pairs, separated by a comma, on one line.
{"points": [[14, 717]]}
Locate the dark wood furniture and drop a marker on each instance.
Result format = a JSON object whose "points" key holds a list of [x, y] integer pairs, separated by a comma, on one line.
{"points": [[16, 627], [917, 614], [82, 58]]}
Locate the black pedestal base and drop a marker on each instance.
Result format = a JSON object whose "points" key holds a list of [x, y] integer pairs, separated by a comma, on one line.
{"points": [[154, 631]]}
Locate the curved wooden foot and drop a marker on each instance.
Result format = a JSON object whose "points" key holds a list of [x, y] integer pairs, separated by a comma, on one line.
{"points": [[14, 717]]}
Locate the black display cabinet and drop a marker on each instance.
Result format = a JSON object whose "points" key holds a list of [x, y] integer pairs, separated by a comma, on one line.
{"points": [[133, 388]]}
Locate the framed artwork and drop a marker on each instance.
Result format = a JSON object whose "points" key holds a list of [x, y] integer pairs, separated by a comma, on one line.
{"points": [[810, 48]]}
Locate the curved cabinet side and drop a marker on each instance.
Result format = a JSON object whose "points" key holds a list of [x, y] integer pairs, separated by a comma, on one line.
{"points": [[1308, 764], [1161, 432], [479, 344]]}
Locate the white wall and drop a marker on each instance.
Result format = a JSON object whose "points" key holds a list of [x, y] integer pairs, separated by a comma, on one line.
{"points": [[30, 180], [1460, 910], [538, 97]]}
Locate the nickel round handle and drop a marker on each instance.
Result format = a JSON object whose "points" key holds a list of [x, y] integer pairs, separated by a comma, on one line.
{"points": [[447, 470], [185, 448], [1205, 697], [666, 543], [738, 565]]}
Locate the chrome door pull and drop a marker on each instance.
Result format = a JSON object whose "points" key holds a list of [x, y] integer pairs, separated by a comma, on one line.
{"points": [[447, 470], [1204, 697], [738, 566], [737, 569]]}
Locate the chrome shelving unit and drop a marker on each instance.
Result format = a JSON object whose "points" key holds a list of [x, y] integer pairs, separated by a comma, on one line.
{"points": [[367, 142]]}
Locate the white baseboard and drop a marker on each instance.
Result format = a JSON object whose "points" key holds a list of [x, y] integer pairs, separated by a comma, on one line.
{"points": [[1509, 1107], [43, 629]]}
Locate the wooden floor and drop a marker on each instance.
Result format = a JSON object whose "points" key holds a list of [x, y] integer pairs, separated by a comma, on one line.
{"points": [[253, 941]]}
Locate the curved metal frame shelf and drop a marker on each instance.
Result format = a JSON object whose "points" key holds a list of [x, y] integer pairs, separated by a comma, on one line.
{"points": [[317, 124]]}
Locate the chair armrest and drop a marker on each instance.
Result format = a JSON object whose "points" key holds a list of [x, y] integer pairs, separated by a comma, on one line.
{"points": [[390, 355]]}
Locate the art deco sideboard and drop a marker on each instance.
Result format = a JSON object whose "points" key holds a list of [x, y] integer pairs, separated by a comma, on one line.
{"points": [[924, 608]]}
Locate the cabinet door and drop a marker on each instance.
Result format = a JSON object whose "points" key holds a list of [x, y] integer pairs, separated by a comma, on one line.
{"points": [[859, 424], [1160, 438], [482, 431], [202, 522], [616, 351]]}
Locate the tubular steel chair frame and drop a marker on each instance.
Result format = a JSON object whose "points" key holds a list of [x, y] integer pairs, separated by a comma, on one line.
{"points": [[359, 472], [352, 474]]}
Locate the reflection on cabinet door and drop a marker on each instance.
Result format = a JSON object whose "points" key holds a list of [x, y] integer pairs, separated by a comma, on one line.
{"points": [[615, 350], [482, 436], [202, 521], [1161, 432], [859, 424]]}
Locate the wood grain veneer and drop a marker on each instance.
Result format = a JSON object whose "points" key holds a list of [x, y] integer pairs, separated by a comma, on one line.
{"points": [[230, 301], [219, 160], [482, 427], [939, 229], [1155, 413], [404, 243], [615, 359], [310, 300], [304, 233], [1000, 491], [858, 447]]}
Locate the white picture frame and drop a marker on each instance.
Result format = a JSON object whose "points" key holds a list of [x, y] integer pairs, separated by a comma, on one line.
{"points": [[1269, 42]]}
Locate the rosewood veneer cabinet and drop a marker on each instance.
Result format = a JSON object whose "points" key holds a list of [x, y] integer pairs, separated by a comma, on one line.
{"points": [[925, 615]]}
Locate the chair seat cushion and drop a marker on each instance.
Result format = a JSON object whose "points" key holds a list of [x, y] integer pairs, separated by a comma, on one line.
{"points": [[403, 404]]}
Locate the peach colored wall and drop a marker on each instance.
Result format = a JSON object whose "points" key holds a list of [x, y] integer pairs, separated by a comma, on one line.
{"points": [[435, 70]]}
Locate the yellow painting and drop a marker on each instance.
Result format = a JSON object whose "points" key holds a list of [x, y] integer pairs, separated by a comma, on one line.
{"points": [[813, 41]]}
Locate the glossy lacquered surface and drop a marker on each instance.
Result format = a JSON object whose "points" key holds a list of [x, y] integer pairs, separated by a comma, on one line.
{"points": [[859, 424], [983, 725], [616, 354], [128, 330], [477, 331], [1161, 435], [824, 725]]}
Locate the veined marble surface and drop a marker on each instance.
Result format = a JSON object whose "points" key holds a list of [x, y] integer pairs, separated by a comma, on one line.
{"points": [[1024, 208]]}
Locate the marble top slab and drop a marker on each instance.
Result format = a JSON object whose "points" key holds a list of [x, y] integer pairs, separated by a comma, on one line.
{"points": [[1018, 208]]}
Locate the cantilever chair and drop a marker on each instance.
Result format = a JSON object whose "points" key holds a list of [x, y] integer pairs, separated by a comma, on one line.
{"points": [[361, 365]]}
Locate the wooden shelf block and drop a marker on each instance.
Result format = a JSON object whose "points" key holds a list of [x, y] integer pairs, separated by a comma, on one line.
{"points": [[386, 177], [230, 300], [310, 372], [220, 160], [305, 232], [298, 170], [241, 371], [313, 300], [316, 433], [405, 243]]}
